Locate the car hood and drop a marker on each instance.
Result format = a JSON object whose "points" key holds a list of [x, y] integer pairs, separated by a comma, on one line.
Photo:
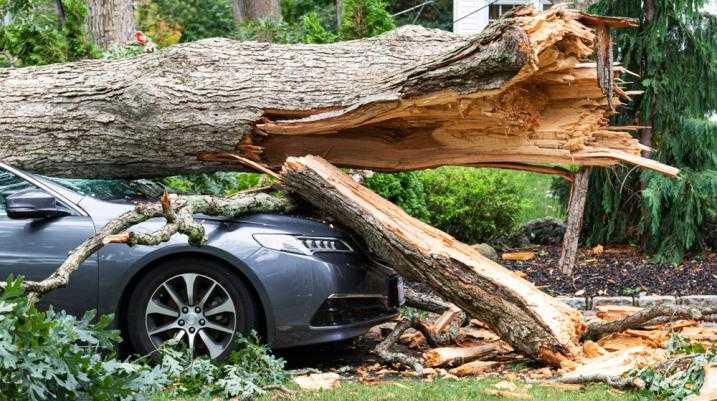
{"points": [[102, 212]]}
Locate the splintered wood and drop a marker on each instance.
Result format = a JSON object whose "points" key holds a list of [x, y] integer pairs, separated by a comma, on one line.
{"points": [[531, 321], [515, 95]]}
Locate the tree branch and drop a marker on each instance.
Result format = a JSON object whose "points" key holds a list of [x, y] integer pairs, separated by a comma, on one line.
{"points": [[179, 213], [674, 312]]}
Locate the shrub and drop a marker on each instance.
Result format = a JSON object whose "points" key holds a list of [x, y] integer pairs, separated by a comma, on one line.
{"points": [[404, 189], [470, 204], [35, 36], [364, 18], [248, 371], [191, 20], [54, 356], [220, 183]]}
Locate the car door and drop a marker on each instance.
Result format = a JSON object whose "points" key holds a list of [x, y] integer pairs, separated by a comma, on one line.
{"points": [[34, 248]]}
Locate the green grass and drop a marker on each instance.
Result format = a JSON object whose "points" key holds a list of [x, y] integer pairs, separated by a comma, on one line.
{"points": [[444, 390], [536, 190]]}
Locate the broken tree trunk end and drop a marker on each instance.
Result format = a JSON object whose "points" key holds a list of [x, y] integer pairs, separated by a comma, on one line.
{"points": [[528, 319], [515, 95]]}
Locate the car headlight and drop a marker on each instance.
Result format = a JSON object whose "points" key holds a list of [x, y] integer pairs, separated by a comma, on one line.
{"points": [[302, 244]]}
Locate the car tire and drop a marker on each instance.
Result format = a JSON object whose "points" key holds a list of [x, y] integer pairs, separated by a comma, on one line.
{"points": [[160, 308]]}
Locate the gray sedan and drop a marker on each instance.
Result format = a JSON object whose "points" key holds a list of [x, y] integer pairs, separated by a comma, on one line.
{"points": [[295, 280]]}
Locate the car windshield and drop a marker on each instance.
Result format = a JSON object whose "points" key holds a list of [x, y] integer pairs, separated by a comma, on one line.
{"points": [[114, 190]]}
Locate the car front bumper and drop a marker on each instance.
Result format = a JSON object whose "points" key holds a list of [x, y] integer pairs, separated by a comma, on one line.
{"points": [[326, 298]]}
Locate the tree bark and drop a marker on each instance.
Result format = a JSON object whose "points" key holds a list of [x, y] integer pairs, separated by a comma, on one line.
{"points": [[253, 10], [409, 99], [110, 22], [648, 14], [576, 209], [528, 319]]}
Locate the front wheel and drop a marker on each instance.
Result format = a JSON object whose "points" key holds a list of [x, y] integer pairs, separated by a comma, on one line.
{"points": [[197, 302]]}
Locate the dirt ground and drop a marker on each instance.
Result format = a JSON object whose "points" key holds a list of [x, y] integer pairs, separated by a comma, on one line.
{"points": [[619, 270]]}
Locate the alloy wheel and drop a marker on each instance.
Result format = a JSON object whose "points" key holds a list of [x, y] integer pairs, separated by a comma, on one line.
{"points": [[194, 309]]}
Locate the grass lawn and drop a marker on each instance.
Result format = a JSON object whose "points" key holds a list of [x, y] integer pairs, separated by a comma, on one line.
{"points": [[536, 190], [445, 390]]}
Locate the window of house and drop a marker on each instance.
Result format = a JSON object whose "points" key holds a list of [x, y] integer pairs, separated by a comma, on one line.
{"points": [[496, 10]]}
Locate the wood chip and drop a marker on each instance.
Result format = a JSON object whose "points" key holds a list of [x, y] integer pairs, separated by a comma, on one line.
{"points": [[453, 356], [615, 312], [518, 256], [593, 350], [474, 368], [318, 381], [615, 364]]}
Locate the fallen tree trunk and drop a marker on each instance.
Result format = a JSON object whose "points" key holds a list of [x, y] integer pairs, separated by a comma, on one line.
{"points": [[528, 319], [413, 98]]}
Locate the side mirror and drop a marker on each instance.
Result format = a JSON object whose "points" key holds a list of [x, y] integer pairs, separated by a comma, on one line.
{"points": [[33, 204]]}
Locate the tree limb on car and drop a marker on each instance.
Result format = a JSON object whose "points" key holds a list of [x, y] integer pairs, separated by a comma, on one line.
{"points": [[178, 212]]}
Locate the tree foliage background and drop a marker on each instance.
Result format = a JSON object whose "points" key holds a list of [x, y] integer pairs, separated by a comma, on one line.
{"points": [[33, 34], [675, 53]]}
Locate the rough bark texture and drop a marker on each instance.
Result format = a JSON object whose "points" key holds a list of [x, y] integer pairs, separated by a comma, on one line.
{"points": [[409, 99], [528, 319], [110, 22], [576, 209], [251, 10]]}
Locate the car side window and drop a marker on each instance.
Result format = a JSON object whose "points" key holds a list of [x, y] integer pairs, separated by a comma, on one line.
{"points": [[10, 184]]}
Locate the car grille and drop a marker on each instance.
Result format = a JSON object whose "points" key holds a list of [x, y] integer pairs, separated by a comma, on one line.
{"points": [[341, 311]]}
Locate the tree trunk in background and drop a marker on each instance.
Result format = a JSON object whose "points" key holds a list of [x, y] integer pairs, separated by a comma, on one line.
{"points": [[252, 10], [533, 322], [648, 7], [339, 7], [576, 208], [111, 22], [60, 13]]}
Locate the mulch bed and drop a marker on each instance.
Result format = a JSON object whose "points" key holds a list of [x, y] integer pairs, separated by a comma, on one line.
{"points": [[619, 271]]}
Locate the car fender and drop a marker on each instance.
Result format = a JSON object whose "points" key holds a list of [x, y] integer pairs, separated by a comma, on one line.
{"points": [[184, 249]]}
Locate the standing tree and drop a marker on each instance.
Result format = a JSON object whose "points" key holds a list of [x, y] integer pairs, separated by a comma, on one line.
{"points": [[675, 52], [111, 22], [252, 10]]}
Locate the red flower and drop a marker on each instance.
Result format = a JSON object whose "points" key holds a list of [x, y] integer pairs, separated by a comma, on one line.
{"points": [[140, 39]]}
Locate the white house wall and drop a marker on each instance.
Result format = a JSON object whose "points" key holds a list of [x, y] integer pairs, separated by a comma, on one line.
{"points": [[476, 22]]}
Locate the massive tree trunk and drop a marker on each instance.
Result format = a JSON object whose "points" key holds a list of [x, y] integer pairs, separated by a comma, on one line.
{"points": [[531, 321], [110, 22], [251, 10], [409, 99]]}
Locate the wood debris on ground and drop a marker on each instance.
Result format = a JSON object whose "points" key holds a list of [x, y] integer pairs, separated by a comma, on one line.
{"points": [[478, 351], [520, 256], [318, 381]]}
